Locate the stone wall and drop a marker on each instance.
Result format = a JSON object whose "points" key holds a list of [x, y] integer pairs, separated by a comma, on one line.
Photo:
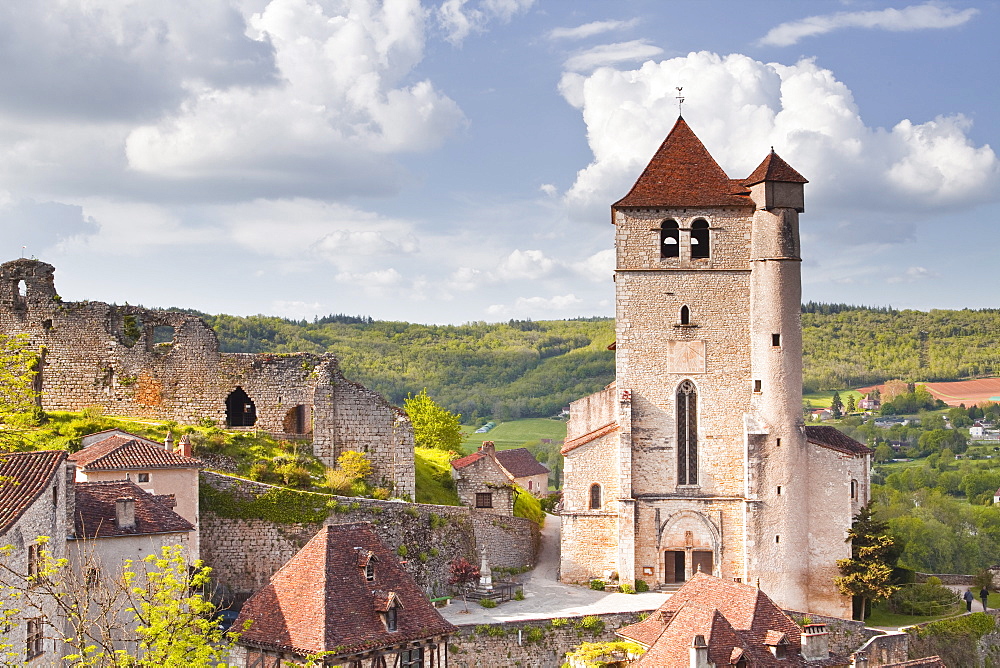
{"points": [[491, 645], [846, 635], [948, 579], [245, 552], [97, 354]]}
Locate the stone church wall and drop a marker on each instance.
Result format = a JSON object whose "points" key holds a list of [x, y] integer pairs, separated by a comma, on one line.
{"points": [[244, 552], [97, 354]]}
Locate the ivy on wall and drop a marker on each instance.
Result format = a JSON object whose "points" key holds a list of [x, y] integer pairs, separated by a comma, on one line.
{"points": [[282, 505]]}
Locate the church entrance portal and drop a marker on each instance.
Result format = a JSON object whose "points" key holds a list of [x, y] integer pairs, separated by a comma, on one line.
{"points": [[674, 566], [240, 409]]}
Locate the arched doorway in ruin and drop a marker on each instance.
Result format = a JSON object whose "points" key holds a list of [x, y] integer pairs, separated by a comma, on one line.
{"points": [[240, 409]]}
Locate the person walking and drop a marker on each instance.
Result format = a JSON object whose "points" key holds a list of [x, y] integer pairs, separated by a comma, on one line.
{"points": [[969, 598], [984, 594]]}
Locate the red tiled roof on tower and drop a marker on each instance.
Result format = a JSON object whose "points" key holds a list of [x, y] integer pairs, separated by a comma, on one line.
{"points": [[774, 169], [683, 173]]}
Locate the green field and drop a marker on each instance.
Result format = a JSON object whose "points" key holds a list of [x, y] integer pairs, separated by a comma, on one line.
{"points": [[514, 434], [825, 398]]}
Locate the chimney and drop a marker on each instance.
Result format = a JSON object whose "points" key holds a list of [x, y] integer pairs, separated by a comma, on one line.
{"points": [[125, 513], [185, 446], [699, 653], [168, 442], [815, 642], [488, 448]]}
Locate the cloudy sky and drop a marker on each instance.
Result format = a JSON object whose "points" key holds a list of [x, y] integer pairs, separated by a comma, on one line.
{"points": [[455, 160]]}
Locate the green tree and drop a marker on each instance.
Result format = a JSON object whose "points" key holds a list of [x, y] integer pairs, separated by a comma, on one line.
{"points": [[837, 406], [153, 605], [19, 408], [851, 405], [883, 453], [867, 574], [433, 426]]}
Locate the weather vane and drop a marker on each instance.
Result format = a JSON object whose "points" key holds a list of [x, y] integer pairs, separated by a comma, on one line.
{"points": [[680, 101]]}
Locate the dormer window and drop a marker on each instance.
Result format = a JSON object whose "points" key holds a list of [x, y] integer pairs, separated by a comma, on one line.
{"points": [[699, 239], [670, 239], [370, 571], [391, 618], [777, 643]]}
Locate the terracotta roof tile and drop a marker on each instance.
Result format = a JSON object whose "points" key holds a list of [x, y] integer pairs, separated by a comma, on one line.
{"points": [[95, 511], [683, 173], [23, 477], [575, 443], [467, 460], [834, 439], [774, 169], [520, 463], [321, 601], [118, 453]]}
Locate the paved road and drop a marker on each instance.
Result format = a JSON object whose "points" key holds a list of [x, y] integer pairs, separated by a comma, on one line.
{"points": [[546, 597]]}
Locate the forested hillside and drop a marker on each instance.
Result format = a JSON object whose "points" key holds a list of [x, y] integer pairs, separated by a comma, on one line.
{"points": [[533, 369]]}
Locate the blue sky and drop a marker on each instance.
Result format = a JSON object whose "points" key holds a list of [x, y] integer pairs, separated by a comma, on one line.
{"points": [[455, 160]]}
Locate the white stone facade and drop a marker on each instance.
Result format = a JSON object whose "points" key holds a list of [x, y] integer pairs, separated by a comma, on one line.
{"points": [[741, 493]]}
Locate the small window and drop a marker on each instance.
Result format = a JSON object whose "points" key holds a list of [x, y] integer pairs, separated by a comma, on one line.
{"points": [[484, 499], [777, 539], [669, 239], [47, 324], [595, 497], [35, 638], [685, 315], [143, 477], [34, 562], [776, 340], [370, 571], [699, 239], [777, 442], [779, 490], [93, 576], [55, 496], [411, 658], [757, 387], [391, 619], [854, 489]]}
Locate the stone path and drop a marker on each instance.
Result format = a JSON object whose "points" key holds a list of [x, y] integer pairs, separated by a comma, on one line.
{"points": [[546, 597]]}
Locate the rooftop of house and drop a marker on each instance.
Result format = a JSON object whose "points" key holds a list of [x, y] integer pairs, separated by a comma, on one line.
{"points": [[520, 463], [96, 511], [733, 619], [322, 599], [123, 453], [467, 460], [834, 439], [23, 477]]}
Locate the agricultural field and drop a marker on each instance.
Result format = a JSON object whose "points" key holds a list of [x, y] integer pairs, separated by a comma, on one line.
{"points": [[515, 433]]}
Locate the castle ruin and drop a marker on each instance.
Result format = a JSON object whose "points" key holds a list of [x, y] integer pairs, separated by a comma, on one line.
{"points": [[166, 365]]}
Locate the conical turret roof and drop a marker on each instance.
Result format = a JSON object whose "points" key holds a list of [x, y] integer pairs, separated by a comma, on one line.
{"points": [[683, 173], [774, 169]]}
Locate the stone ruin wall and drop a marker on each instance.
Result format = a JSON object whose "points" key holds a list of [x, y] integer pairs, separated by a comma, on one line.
{"points": [[88, 358], [245, 552]]}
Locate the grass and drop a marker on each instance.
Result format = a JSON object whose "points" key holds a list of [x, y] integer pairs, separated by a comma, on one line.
{"points": [[433, 477], [882, 617], [527, 506], [515, 433], [825, 398]]}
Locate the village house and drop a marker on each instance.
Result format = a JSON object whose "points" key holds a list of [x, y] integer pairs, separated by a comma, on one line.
{"points": [[36, 497], [524, 470], [156, 468], [715, 622], [869, 403], [482, 483], [344, 593]]}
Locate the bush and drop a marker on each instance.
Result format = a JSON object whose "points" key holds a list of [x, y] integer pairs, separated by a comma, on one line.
{"points": [[487, 603], [591, 623], [641, 586], [925, 599], [597, 585], [402, 551], [534, 634], [626, 588], [519, 595]]}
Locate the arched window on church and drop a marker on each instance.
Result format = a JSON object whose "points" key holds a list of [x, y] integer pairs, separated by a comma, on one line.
{"points": [[595, 497], [685, 315], [699, 239], [670, 238], [687, 434]]}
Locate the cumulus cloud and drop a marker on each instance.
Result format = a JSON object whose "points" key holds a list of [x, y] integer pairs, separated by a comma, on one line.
{"points": [[599, 267], [914, 17], [802, 110], [340, 109], [381, 278], [295, 309], [591, 29], [611, 54], [460, 18], [912, 274], [536, 307], [529, 264], [34, 227]]}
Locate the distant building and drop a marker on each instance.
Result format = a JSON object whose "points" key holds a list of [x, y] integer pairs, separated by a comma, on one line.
{"points": [[482, 483], [344, 593], [524, 470], [869, 403]]}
